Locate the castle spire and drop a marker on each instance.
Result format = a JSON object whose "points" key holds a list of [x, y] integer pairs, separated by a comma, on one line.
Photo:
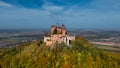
{"points": [[57, 24]]}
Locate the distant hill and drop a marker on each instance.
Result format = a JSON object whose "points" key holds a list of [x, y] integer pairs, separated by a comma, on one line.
{"points": [[81, 54]]}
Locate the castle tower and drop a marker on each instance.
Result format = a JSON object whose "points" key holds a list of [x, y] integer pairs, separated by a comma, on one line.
{"points": [[64, 32], [57, 24], [52, 30], [63, 26]]}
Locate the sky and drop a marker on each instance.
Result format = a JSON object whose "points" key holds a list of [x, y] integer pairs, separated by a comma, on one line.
{"points": [[75, 14]]}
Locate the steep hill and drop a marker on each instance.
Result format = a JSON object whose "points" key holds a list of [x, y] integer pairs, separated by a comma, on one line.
{"points": [[81, 54]]}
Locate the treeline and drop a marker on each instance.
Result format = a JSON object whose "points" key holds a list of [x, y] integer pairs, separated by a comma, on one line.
{"points": [[81, 54]]}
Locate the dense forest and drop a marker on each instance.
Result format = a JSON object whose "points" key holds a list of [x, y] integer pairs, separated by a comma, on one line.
{"points": [[81, 54]]}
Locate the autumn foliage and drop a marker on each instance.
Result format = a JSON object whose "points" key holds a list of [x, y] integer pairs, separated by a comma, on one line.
{"points": [[81, 54]]}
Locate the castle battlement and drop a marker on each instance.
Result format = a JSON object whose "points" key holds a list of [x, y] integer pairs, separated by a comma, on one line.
{"points": [[58, 34]]}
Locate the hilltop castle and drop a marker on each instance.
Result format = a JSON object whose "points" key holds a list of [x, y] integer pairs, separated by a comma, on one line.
{"points": [[58, 34]]}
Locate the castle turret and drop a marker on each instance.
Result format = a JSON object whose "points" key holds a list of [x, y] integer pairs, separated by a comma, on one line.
{"points": [[53, 30], [57, 24], [64, 32], [63, 26]]}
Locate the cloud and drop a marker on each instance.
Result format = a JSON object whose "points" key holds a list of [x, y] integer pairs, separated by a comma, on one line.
{"points": [[52, 9], [25, 3], [17, 18], [95, 14], [106, 5], [3, 4]]}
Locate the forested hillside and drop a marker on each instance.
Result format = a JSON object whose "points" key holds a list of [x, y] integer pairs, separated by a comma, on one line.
{"points": [[81, 54]]}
